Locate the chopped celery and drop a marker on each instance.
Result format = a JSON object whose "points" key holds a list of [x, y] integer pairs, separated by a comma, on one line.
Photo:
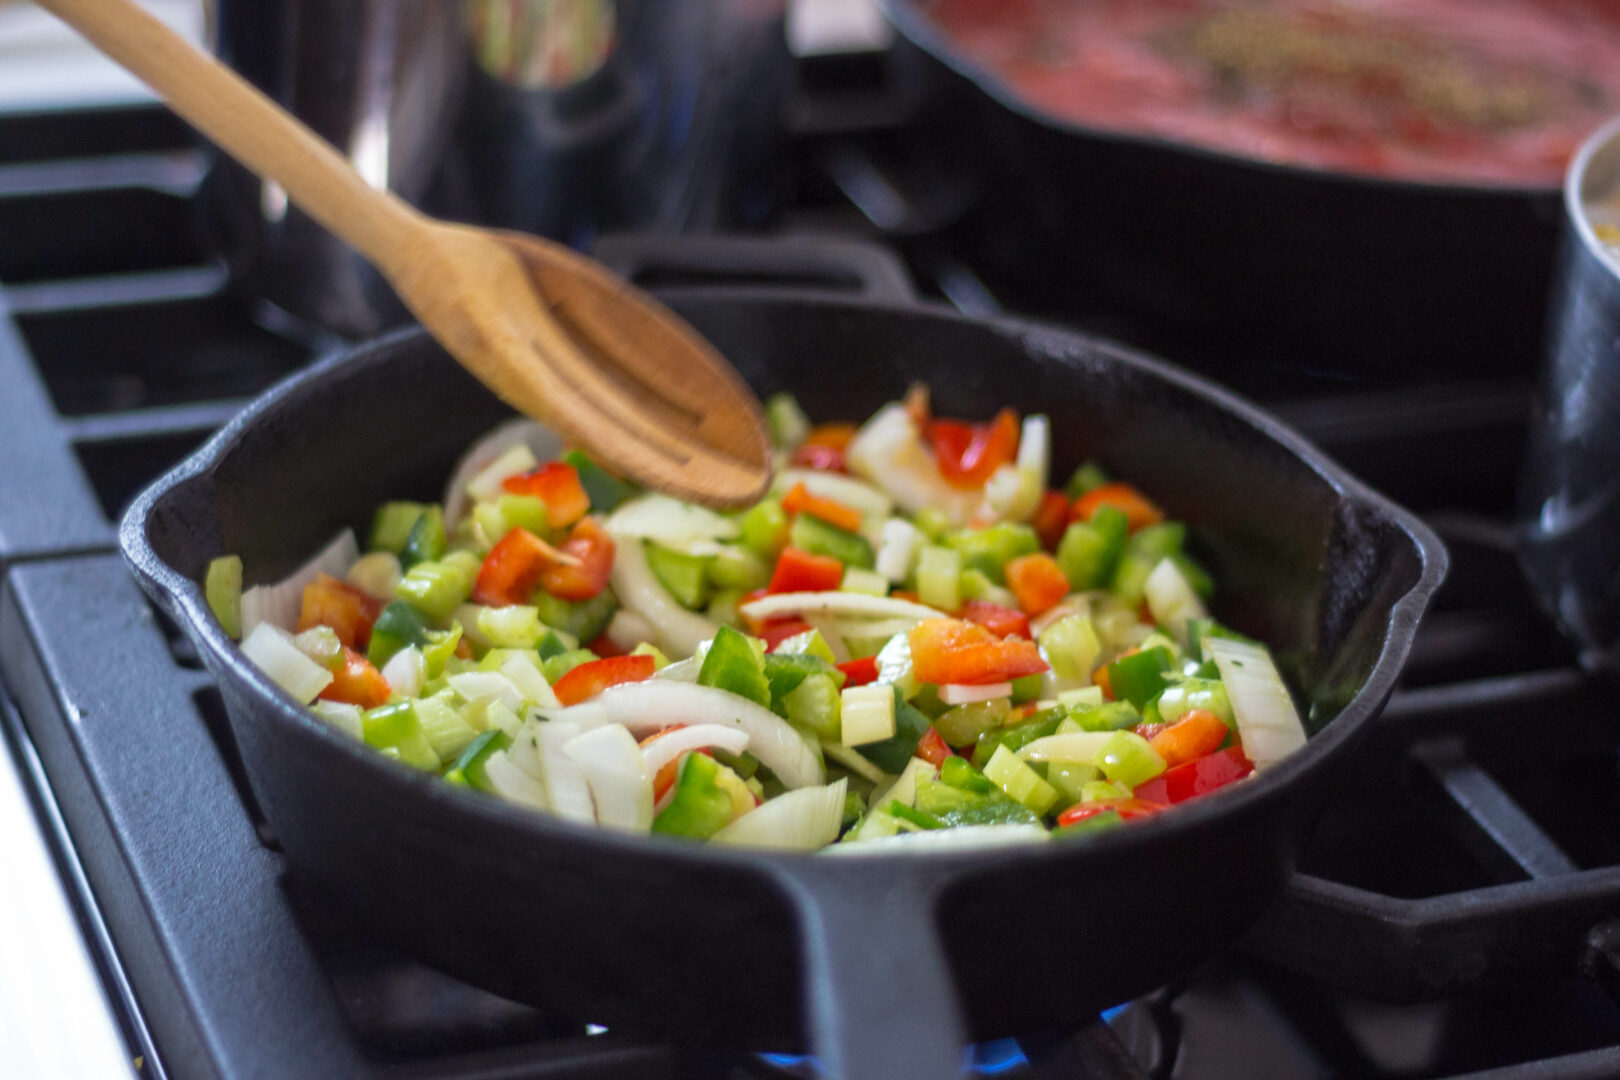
{"points": [[867, 582], [1113, 716], [866, 714], [522, 512], [811, 534], [685, 577], [977, 586], [1020, 781], [1081, 698], [736, 567], [853, 809], [321, 644], [1026, 688], [955, 806], [809, 643], [815, 705], [470, 767], [516, 626], [1089, 550], [1102, 791], [1127, 758], [964, 724], [789, 426], [1068, 777], [438, 588], [555, 667], [376, 574], [931, 522], [1159, 541], [605, 490], [990, 550], [904, 787], [446, 730], [765, 529], [399, 625], [438, 648], [392, 524], [1071, 646], [396, 727], [939, 578], [731, 664], [722, 607], [1087, 476], [1130, 578], [223, 588], [1188, 694], [891, 754], [583, 620], [876, 825], [346, 718], [426, 542]]}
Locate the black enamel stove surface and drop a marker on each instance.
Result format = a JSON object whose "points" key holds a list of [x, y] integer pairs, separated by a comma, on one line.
{"points": [[1451, 918]]}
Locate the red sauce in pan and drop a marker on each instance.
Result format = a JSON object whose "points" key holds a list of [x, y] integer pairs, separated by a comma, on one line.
{"points": [[1469, 91]]}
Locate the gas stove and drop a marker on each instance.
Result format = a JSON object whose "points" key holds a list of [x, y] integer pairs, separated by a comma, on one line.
{"points": [[1457, 913]]}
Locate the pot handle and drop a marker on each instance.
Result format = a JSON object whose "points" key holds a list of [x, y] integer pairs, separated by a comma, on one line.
{"points": [[813, 263], [879, 992]]}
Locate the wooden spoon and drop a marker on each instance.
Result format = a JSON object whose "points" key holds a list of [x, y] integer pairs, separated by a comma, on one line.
{"points": [[553, 333]]}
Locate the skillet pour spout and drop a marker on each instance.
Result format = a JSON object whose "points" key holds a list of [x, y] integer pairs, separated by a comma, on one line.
{"points": [[882, 965]]}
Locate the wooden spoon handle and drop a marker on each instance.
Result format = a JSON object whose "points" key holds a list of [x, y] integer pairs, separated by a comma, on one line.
{"points": [[248, 125]]}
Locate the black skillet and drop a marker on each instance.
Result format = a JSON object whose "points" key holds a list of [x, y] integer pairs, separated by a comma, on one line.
{"points": [[883, 966], [1224, 261]]}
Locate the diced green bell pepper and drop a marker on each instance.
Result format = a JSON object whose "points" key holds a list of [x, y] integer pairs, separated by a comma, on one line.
{"points": [[1139, 677], [896, 808], [426, 542], [1068, 777], [1187, 694], [437, 588], [605, 490], [736, 567], [1017, 736], [471, 767], [555, 667], [1090, 550], [765, 529], [1026, 688], [396, 727], [1127, 758], [814, 705], [700, 807], [686, 577], [1087, 476], [1089, 826], [809, 533], [437, 650], [809, 643], [965, 724], [584, 620], [789, 426], [551, 645], [734, 666], [990, 550], [398, 626], [952, 805], [1111, 716], [785, 672]]}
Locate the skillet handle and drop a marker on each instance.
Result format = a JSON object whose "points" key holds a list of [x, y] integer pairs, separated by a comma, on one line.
{"points": [[816, 264], [879, 990]]}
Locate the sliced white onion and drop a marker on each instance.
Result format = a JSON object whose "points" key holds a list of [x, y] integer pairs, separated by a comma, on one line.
{"points": [[341, 715], [804, 820], [1171, 600], [513, 784], [543, 445], [279, 604], [672, 523], [962, 694], [628, 629], [672, 744], [841, 605], [888, 451], [566, 787], [271, 649], [646, 707], [479, 685], [853, 493], [1267, 722], [677, 631], [866, 629], [405, 671], [525, 674], [1080, 746], [957, 838], [898, 544], [618, 777], [1035, 448], [376, 574]]}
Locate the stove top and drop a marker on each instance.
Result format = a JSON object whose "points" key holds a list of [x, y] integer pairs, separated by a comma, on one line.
{"points": [[1468, 869]]}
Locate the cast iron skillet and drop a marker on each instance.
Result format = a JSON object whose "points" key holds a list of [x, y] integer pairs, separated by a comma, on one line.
{"points": [[884, 966], [1226, 260]]}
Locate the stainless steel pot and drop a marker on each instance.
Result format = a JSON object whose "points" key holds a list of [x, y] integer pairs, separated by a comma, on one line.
{"points": [[1570, 543], [558, 117]]}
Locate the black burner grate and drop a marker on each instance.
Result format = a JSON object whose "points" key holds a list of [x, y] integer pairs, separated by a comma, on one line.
{"points": [[1468, 868]]}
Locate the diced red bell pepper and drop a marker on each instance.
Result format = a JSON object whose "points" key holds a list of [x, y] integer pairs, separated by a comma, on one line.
{"points": [[1198, 777], [860, 672], [798, 500], [512, 569], [347, 610], [954, 651], [824, 458], [557, 485], [1037, 581], [1150, 731], [357, 682], [932, 748], [776, 631], [594, 676], [800, 571], [602, 645], [1139, 510], [1000, 621], [968, 453], [593, 548], [1128, 809], [1195, 733], [1051, 519]]}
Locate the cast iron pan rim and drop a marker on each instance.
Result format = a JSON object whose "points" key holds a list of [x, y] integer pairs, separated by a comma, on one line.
{"points": [[185, 600], [1575, 205], [922, 32]]}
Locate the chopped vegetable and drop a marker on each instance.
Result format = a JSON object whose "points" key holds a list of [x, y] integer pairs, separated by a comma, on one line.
{"points": [[223, 589]]}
